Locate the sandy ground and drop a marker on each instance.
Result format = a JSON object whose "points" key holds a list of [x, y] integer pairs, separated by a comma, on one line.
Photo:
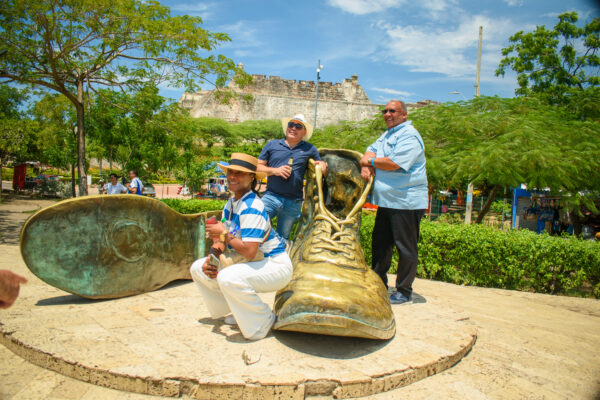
{"points": [[530, 346]]}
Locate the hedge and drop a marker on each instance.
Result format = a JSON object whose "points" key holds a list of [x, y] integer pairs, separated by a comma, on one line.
{"points": [[514, 259], [485, 256], [193, 206]]}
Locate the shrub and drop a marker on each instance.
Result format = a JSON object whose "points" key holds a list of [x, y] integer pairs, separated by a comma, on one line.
{"points": [[194, 206], [499, 207], [484, 256], [514, 259], [520, 260], [451, 218]]}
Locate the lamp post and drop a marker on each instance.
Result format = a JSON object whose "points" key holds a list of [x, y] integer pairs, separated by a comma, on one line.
{"points": [[469, 206], [319, 67]]}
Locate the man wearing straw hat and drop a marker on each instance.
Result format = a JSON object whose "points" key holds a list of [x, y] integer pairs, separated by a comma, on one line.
{"points": [[231, 292], [285, 161]]}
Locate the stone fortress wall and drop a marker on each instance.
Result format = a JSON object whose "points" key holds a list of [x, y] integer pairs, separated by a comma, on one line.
{"points": [[275, 98]]}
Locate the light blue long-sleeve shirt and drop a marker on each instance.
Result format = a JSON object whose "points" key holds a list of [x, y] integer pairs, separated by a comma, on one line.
{"points": [[406, 187]]}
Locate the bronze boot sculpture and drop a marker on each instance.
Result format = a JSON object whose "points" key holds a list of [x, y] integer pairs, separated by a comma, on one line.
{"points": [[333, 291], [104, 247]]}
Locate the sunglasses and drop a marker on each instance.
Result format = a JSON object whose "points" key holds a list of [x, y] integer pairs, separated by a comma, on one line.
{"points": [[388, 110], [293, 125]]}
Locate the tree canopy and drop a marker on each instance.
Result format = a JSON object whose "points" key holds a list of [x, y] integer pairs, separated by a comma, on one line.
{"points": [[74, 46], [16, 131], [555, 63], [499, 142]]}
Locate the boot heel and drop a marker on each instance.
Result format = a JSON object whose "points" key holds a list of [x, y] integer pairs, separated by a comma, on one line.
{"points": [[103, 247]]}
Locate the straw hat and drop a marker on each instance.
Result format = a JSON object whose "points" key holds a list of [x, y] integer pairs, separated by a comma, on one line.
{"points": [[300, 119], [243, 162]]}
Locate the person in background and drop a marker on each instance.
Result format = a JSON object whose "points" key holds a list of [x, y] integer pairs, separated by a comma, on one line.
{"points": [[248, 231], [397, 159], [285, 161], [114, 186], [10, 285], [135, 186]]}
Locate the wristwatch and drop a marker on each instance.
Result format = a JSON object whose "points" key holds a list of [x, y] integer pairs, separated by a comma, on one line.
{"points": [[372, 162]]}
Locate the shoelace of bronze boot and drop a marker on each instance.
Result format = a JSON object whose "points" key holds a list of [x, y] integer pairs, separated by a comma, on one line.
{"points": [[341, 230]]}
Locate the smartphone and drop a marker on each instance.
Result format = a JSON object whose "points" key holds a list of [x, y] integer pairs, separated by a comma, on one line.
{"points": [[214, 261]]}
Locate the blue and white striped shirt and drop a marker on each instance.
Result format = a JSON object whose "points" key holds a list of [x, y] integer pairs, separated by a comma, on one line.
{"points": [[250, 215]]}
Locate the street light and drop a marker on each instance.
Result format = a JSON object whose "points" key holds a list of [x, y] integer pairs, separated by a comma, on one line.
{"points": [[319, 67], [457, 92], [469, 206]]}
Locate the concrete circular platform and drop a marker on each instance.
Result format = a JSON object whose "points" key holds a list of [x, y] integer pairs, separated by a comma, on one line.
{"points": [[164, 343]]}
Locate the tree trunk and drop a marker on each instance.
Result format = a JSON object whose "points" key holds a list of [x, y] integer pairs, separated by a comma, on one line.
{"points": [[83, 191], [1, 177], [73, 179], [487, 204]]}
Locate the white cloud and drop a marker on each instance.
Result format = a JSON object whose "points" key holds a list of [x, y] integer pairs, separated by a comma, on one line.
{"points": [[193, 9], [513, 3], [450, 51], [393, 91], [361, 7], [243, 35], [436, 5]]}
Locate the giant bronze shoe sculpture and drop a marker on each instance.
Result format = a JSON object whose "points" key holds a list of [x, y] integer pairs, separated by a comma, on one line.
{"points": [[333, 291], [113, 246]]}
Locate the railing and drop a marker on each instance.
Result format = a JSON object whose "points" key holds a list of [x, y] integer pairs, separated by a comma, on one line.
{"points": [[452, 209]]}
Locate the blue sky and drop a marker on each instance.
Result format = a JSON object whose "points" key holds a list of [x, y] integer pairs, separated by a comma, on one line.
{"points": [[407, 49]]}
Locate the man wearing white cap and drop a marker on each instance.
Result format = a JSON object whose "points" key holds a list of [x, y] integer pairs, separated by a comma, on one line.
{"points": [[285, 161]]}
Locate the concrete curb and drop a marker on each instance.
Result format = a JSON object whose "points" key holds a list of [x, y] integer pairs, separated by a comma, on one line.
{"points": [[418, 366]]}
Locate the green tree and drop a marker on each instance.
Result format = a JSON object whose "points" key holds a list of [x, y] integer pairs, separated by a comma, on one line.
{"points": [[254, 134], [350, 135], [73, 46], [556, 63], [498, 142], [195, 172], [16, 131], [56, 136]]}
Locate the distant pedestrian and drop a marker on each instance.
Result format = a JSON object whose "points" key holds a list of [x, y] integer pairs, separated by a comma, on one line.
{"points": [[397, 159], [135, 186], [114, 186], [285, 161]]}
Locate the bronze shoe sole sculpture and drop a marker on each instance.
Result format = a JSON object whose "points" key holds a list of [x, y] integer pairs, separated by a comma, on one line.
{"points": [[103, 247], [333, 291]]}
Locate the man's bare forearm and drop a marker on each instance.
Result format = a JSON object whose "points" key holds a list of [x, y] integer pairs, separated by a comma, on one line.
{"points": [[383, 163]]}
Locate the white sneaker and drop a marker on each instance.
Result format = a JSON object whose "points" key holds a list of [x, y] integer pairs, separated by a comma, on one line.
{"points": [[230, 320]]}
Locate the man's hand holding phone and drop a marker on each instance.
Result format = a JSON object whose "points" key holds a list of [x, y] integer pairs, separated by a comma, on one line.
{"points": [[211, 266]]}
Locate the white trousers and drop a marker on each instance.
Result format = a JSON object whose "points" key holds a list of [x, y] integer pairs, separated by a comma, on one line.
{"points": [[235, 291]]}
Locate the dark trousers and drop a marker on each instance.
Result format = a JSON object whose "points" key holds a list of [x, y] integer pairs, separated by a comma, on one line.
{"points": [[398, 228]]}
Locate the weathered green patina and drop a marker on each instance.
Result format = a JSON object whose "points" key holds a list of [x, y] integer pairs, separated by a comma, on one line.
{"points": [[112, 246]]}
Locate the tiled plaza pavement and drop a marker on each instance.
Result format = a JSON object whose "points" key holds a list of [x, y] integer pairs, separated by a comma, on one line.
{"points": [[528, 345]]}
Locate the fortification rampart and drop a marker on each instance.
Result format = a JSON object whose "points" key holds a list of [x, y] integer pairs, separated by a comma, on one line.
{"points": [[274, 98]]}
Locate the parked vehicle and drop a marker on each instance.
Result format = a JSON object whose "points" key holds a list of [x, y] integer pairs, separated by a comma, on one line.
{"points": [[149, 190]]}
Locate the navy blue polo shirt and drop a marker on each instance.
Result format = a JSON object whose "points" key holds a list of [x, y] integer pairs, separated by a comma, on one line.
{"points": [[277, 153]]}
